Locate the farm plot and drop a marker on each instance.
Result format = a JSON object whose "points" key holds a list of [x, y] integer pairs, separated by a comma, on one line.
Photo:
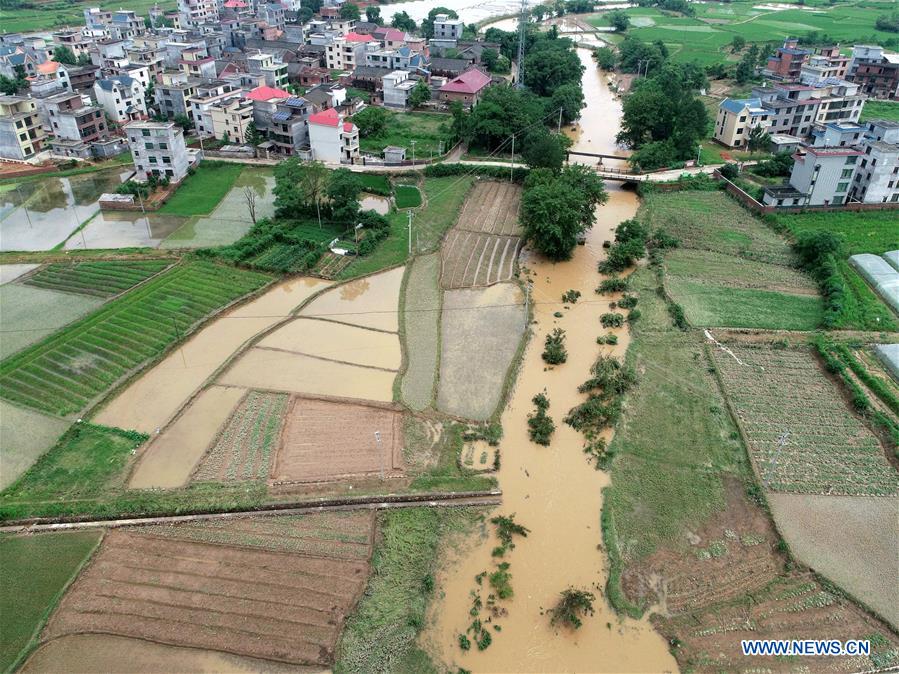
{"points": [[170, 458], [860, 554], [10, 272], [483, 246], [29, 590], [421, 331], [243, 451], [25, 435], [713, 221], [370, 302], [150, 402], [247, 597], [98, 279], [802, 437], [68, 371], [31, 314], [325, 440], [480, 333]]}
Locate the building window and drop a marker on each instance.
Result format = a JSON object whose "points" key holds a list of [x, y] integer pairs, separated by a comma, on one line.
{"points": [[842, 187], [146, 133]]}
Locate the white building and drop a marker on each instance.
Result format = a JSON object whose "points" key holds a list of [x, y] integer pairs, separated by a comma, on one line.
{"points": [[446, 28], [158, 147], [877, 176], [331, 140], [396, 88], [122, 97]]}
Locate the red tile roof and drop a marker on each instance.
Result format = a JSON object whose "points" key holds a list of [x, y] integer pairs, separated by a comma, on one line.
{"points": [[349, 127], [267, 93], [327, 117], [356, 37], [390, 34], [469, 82]]}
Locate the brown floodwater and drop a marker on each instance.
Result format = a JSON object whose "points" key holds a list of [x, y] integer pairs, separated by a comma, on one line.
{"points": [[373, 202], [372, 302], [338, 341], [553, 490], [169, 457], [90, 653], [154, 398]]}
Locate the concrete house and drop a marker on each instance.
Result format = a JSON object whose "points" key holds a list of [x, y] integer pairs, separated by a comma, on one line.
{"points": [[466, 88], [21, 135], [158, 148], [122, 97], [396, 88], [331, 140]]}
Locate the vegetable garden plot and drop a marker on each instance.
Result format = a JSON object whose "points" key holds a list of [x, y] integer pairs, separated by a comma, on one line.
{"points": [[240, 598], [98, 279], [483, 246], [243, 451], [827, 450], [713, 221], [66, 372], [325, 440], [25, 435]]}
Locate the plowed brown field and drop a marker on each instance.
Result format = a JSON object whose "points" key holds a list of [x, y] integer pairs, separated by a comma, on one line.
{"points": [[325, 440], [483, 246], [241, 594]]}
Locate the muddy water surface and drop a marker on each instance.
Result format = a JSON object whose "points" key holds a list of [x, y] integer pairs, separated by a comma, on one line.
{"points": [[152, 400], [372, 301], [553, 490], [375, 203]]}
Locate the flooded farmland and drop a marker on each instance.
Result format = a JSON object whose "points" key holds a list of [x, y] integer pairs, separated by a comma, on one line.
{"points": [[553, 490]]}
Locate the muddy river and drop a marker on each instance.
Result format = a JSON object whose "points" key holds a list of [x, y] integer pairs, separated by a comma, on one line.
{"points": [[553, 490]]}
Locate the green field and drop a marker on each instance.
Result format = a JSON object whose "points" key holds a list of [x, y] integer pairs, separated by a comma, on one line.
{"points": [[36, 570], [24, 436], [869, 232], [375, 183], [407, 196], [880, 110], [706, 37], [201, 192], [428, 130], [69, 370], [47, 15], [444, 201], [87, 461], [675, 441], [99, 279]]}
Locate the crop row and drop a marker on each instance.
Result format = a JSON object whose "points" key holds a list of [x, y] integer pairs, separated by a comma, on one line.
{"points": [[100, 279], [801, 433], [63, 373], [492, 207]]}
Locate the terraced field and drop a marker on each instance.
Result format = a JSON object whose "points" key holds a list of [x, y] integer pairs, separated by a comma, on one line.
{"points": [[244, 449], [421, 331], [98, 279], [66, 372], [279, 590], [802, 437], [483, 246]]}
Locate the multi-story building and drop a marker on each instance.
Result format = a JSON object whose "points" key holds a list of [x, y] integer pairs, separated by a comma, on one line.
{"points": [[198, 64], [875, 71], [821, 176], [158, 148], [876, 179], [272, 13], [827, 64], [208, 94], [70, 118], [97, 18], [122, 97], [21, 135], [345, 53], [396, 88], [288, 128], [791, 109], [74, 40], [172, 96], [446, 28], [195, 13], [786, 62], [126, 24], [230, 119], [331, 140], [264, 64], [835, 134]]}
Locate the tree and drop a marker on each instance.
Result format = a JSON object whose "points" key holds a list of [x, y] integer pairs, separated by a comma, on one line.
{"points": [[737, 43], [572, 605], [185, 122], [427, 25], [490, 57], [730, 171], [758, 139], [149, 95], [745, 69], [420, 94], [373, 15], [9, 86], [84, 59], [550, 64], [551, 219], [605, 58], [543, 149], [888, 22], [300, 188], [254, 135], [63, 54], [403, 21], [343, 192], [249, 195], [502, 111], [570, 99], [349, 11], [371, 121], [304, 14], [636, 56], [618, 20]]}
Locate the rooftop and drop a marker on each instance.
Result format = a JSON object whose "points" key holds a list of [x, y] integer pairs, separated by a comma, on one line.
{"points": [[267, 93], [469, 82], [327, 117]]}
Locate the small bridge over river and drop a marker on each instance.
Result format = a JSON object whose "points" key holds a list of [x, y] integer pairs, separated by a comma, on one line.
{"points": [[610, 172]]}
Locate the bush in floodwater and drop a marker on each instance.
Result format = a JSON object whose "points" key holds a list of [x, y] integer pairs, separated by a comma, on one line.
{"points": [[572, 605], [611, 320], [627, 302], [540, 425], [501, 581], [615, 284], [554, 351], [609, 339], [571, 296], [633, 316], [506, 528]]}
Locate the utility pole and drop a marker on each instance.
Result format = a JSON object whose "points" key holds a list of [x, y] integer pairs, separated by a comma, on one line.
{"points": [[143, 210], [380, 451], [413, 152], [512, 165], [527, 302], [522, 31], [410, 232], [781, 441], [559, 128]]}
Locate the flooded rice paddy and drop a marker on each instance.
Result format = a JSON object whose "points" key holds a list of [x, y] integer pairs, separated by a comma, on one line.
{"points": [[149, 402], [372, 302], [372, 202], [168, 460]]}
